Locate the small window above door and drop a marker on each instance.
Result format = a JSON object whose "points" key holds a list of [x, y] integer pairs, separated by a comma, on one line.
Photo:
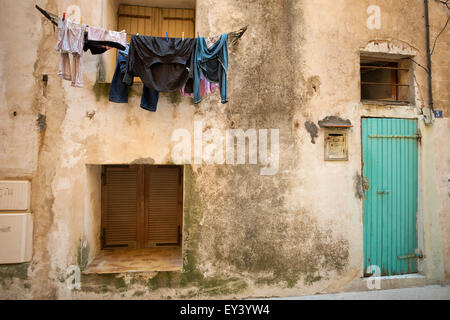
{"points": [[386, 81]]}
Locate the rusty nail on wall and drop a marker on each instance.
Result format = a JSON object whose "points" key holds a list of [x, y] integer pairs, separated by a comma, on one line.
{"points": [[44, 89], [90, 114]]}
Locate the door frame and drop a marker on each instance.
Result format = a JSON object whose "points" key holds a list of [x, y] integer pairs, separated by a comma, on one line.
{"points": [[419, 212]]}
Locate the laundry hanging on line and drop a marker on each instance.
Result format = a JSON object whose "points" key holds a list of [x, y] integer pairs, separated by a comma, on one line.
{"points": [[194, 66], [74, 39], [70, 41], [161, 63], [118, 92], [211, 61], [100, 40]]}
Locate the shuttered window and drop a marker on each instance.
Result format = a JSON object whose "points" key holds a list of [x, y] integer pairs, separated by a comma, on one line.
{"points": [[141, 206], [156, 22]]}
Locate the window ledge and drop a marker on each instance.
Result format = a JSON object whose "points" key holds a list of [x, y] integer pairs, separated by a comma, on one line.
{"points": [[387, 103], [158, 259], [109, 82]]}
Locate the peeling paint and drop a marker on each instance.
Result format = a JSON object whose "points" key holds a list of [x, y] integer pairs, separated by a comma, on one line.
{"points": [[359, 192], [9, 273], [312, 129]]}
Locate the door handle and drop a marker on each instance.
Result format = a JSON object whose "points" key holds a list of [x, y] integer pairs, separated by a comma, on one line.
{"points": [[383, 192], [410, 256]]}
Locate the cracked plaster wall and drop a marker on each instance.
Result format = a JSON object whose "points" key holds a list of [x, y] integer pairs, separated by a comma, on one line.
{"points": [[298, 232]]}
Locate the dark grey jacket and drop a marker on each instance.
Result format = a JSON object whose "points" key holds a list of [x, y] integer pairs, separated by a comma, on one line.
{"points": [[161, 64]]}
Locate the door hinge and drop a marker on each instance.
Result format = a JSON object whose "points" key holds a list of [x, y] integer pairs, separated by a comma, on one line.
{"points": [[419, 133], [365, 183]]}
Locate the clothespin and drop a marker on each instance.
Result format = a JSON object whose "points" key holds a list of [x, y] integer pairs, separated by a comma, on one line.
{"points": [[198, 34], [167, 36], [182, 36], [64, 16]]}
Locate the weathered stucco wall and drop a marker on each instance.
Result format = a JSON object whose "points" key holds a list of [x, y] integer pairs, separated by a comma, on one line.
{"points": [[297, 232]]}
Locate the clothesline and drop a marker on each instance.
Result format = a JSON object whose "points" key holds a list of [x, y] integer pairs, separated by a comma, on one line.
{"points": [[195, 66], [53, 18]]}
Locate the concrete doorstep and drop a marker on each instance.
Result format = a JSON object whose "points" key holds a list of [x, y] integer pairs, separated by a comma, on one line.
{"points": [[433, 292]]}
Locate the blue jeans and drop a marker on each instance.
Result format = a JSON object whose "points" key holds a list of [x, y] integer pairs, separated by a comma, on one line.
{"points": [[118, 91]]}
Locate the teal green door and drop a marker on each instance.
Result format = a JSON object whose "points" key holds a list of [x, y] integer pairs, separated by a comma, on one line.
{"points": [[390, 204]]}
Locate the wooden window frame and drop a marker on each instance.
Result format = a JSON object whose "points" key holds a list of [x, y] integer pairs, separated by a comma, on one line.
{"points": [[142, 223], [157, 18], [390, 64]]}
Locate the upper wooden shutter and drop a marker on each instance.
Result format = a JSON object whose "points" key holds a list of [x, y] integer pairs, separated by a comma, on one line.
{"points": [[120, 206], [137, 19], [163, 203], [148, 21], [176, 22]]}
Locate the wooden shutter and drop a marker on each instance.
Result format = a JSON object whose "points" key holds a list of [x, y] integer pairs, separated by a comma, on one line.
{"points": [[120, 206], [156, 22], [141, 206], [164, 205], [177, 21], [136, 19]]}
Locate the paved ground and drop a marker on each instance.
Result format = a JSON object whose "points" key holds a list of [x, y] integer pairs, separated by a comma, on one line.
{"points": [[435, 292]]}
